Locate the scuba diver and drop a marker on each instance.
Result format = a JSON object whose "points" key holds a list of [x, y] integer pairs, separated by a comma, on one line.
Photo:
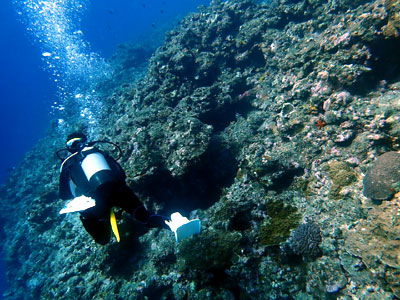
{"points": [[96, 183]]}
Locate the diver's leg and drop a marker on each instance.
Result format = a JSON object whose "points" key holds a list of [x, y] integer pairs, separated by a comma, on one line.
{"points": [[97, 224], [128, 201], [132, 205]]}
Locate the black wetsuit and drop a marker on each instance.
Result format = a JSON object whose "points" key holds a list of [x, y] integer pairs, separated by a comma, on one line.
{"points": [[112, 192]]}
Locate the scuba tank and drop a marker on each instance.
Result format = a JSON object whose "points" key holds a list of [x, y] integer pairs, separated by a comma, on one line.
{"points": [[95, 172], [96, 168]]}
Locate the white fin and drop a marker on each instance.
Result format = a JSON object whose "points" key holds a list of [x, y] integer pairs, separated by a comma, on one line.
{"points": [[78, 204], [182, 227]]}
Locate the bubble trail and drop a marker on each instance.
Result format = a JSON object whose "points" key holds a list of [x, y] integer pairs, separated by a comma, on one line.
{"points": [[76, 70]]}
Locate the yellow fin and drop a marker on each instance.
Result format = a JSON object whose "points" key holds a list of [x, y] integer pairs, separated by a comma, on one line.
{"points": [[114, 226]]}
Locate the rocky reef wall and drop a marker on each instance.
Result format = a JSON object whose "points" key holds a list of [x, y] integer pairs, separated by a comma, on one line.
{"points": [[259, 119]]}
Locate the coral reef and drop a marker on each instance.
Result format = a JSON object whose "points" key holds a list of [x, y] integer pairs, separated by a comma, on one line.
{"points": [[305, 240], [254, 118], [375, 241], [382, 178], [212, 250], [281, 219], [393, 26], [341, 175]]}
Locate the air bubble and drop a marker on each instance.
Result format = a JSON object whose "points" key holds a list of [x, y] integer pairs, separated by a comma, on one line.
{"points": [[74, 67]]}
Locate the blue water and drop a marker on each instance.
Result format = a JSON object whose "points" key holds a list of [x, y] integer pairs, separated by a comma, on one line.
{"points": [[26, 91], [37, 77], [125, 20]]}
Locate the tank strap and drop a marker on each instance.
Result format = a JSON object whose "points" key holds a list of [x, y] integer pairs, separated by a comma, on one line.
{"points": [[65, 160]]}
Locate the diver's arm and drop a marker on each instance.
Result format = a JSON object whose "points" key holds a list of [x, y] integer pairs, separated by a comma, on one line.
{"points": [[64, 187]]}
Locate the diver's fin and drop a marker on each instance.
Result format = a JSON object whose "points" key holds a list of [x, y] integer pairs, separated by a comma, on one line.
{"points": [[182, 227], [114, 226], [78, 204]]}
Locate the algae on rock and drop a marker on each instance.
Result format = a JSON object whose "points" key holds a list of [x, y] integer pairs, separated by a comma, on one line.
{"points": [[341, 175], [281, 220]]}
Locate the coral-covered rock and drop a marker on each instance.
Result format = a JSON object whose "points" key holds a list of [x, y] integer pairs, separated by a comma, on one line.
{"points": [[392, 29], [341, 175], [305, 240], [381, 179], [281, 220], [375, 240], [212, 250]]}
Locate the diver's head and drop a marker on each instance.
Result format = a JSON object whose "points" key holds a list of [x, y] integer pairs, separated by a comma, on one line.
{"points": [[76, 141]]}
